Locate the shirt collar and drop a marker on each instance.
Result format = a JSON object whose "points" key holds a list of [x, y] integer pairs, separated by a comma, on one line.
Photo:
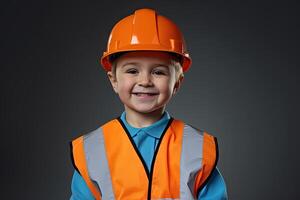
{"points": [[154, 130]]}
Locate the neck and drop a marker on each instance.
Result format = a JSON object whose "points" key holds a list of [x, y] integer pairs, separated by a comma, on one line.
{"points": [[140, 120]]}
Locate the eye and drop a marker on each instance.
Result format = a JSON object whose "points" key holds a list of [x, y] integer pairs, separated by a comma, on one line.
{"points": [[132, 71], [157, 72], [160, 72]]}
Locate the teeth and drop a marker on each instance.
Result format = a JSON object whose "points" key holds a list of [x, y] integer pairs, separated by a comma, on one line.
{"points": [[140, 94]]}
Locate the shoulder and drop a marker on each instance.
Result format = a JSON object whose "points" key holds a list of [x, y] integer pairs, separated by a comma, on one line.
{"points": [[93, 134], [189, 129], [195, 138], [192, 131]]}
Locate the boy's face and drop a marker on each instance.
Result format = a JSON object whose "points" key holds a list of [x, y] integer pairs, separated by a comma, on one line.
{"points": [[145, 80]]}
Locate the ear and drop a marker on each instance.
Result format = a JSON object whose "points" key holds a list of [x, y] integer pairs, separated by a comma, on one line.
{"points": [[113, 80], [178, 84]]}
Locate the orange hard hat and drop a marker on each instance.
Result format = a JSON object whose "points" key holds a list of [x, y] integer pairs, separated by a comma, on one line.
{"points": [[145, 30]]}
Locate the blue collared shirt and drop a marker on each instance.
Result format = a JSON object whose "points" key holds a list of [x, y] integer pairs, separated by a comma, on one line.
{"points": [[146, 140]]}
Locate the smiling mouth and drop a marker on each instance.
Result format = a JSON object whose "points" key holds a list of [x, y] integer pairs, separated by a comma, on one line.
{"points": [[145, 94]]}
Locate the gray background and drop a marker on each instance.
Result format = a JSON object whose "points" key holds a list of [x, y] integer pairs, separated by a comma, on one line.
{"points": [[243, 87]]}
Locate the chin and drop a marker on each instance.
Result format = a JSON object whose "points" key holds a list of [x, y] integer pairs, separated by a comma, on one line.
{"points": [[146, 110]]}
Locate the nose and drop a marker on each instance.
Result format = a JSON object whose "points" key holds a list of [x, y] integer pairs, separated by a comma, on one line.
{"points": [[145, 80]]}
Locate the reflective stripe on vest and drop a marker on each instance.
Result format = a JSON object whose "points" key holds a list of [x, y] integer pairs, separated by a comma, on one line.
{"points": [[111, 165]]}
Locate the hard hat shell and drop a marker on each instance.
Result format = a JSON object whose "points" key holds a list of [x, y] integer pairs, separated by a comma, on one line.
{"points": [[145, 30]]}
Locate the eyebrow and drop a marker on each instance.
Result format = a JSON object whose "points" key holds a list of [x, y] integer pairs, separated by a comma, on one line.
{"points": [[161, 65], [129, 63], [156, 64]]}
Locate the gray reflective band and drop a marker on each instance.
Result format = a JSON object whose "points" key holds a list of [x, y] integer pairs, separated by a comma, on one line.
{"points": [[97, 162], [190, 162]]}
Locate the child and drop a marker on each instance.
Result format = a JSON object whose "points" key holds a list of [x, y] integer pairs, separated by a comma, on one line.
{"points": [[145, 153]]}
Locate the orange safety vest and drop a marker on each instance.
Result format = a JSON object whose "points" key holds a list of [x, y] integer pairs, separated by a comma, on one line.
{"points": [[112, 167]]}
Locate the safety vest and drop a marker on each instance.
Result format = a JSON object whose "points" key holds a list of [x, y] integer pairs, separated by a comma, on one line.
{"points": [[112, 167]]}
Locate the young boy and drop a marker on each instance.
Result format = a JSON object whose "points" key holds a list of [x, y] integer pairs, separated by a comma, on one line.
{"points": [[145, 153]]}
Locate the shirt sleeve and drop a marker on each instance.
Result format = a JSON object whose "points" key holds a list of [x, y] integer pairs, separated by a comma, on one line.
{"points": [[215, 189], [80, 190]]}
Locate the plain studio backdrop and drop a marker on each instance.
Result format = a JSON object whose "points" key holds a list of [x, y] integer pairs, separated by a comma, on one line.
{"points": [[243, 87]]}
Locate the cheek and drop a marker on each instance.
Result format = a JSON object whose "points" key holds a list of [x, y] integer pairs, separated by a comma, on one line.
{"points": [[124, 86], [166, 87]]}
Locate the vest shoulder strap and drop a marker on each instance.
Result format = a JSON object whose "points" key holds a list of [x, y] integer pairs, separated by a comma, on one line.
{"points": [[209, 161], [79, 162]]}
